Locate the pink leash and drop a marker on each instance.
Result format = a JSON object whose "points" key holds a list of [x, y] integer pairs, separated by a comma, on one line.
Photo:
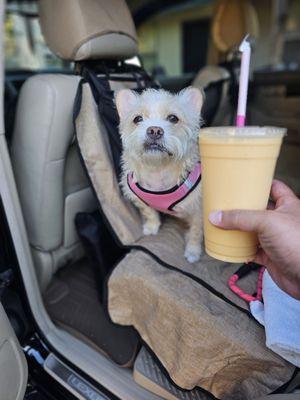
{"points": [[243, 271]]}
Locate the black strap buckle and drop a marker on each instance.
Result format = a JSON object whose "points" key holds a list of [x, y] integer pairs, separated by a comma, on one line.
{"points": [[6, 279]]}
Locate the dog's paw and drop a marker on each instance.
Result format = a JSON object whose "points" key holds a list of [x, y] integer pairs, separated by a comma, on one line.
{"points": [[193, 253], [150, 228]]}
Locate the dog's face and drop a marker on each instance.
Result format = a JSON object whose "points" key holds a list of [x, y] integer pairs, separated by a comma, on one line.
{"points": [[157, 125]]}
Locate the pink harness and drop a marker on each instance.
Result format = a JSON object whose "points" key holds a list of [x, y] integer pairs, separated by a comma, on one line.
{"points": [[165, 201]]}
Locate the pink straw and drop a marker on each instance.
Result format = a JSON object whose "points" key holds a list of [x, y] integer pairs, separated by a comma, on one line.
{"points": [[244, 79]]}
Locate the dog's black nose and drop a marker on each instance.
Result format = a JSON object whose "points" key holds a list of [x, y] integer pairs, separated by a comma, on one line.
{"points": [[155, 132]]}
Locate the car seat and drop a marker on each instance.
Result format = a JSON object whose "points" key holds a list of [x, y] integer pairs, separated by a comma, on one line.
{"points": [[51, 182], [231, 21]]}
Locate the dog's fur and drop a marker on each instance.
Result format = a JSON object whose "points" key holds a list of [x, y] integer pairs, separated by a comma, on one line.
{"points": [[159, 168]]}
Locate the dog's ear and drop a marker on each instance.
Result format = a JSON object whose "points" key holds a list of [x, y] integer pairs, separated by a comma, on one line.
{"points": [[125, 101], [193, 98]]}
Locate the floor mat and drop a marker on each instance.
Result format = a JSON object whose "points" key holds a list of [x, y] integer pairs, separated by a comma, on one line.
{"points": [[147, 374], [72, 301]]}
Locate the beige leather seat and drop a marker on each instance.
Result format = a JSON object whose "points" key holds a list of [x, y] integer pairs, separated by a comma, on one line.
{"points": [[51, 182], [206, 77], [231, 21]]}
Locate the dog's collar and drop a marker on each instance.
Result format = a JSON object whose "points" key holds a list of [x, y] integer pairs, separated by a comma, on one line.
{"points": [[166, 200]]}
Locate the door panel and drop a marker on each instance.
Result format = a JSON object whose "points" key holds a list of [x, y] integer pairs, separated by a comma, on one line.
{"points": [[13, 366]]}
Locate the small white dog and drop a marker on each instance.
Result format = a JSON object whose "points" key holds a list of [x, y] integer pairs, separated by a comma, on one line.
{"points": [[160, 161]]}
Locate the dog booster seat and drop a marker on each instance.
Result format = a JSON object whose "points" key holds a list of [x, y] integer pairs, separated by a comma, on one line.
{"points": [[201, 333]]}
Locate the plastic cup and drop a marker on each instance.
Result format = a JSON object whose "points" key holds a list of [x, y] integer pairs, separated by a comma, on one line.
{"points": [[238, 165]]}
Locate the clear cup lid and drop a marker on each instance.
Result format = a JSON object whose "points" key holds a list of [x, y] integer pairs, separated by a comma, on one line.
{"points": [[244, 132]]}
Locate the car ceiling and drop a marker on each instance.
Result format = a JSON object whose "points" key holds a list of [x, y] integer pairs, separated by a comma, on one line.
{"points": [[144, 9], [141, 9]]}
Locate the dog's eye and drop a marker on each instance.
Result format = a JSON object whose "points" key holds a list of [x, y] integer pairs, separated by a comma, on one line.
{"points": [[137, 119], [172, 118]]}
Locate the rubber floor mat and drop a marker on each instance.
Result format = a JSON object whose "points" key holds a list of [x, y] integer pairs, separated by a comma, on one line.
{"points": [[148, 375], [72, 301]]}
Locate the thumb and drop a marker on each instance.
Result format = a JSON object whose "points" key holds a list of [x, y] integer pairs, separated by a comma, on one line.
{"points": [[281, 193], [242, 220]]}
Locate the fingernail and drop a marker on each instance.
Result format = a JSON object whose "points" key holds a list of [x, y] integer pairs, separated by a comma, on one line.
{"points": [[215, 217]]}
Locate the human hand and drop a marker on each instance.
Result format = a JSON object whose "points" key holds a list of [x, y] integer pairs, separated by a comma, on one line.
{"points": [[278, 230]]}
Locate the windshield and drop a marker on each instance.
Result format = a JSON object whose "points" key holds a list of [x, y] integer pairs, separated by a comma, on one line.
{"points": [[25, 46]]}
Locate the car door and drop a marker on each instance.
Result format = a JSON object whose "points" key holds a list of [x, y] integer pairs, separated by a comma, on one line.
{"points": [[13, 366]]}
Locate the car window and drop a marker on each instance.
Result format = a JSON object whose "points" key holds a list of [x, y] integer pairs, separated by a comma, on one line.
{"points": [[177, 39], [174, 41], [25, 47]]}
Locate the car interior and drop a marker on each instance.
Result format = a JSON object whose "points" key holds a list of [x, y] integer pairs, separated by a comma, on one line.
{"points": [[47, 186]]}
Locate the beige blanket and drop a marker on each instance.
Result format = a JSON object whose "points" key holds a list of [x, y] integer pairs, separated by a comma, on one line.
{"points": [[200, 331]]}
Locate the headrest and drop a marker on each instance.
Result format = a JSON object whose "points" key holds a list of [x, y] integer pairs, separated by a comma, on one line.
{"points": [[233, 19], [88, 29], [210, 74]]}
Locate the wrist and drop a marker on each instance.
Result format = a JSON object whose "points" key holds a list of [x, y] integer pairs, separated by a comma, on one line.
{"points": [[289, 286]]}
